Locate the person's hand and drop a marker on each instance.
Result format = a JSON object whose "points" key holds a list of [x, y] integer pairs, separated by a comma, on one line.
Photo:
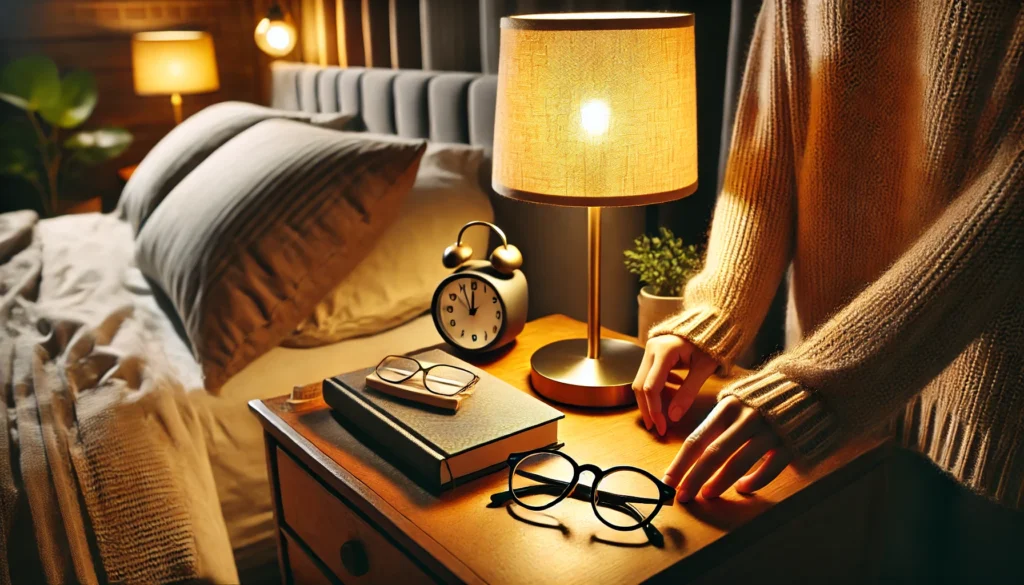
{"points": [[731, 440], [662, 354]]}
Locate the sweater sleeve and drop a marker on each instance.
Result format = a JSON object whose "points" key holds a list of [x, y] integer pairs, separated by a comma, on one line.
{"points": [[862, 365], [752, 231]]}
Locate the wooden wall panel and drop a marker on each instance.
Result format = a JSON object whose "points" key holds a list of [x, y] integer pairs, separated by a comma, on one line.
{"points": [[349, 30], [404, 20], [96, 35], [349, 27], [376, 33], [450, 32]]}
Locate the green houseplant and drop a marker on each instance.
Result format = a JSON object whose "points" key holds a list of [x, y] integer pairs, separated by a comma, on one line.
{"points": [[663, 264], [34, 147]]}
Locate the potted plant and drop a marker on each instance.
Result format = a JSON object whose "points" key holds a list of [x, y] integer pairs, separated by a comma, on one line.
{"points": [[33, 147], [664, 264]]}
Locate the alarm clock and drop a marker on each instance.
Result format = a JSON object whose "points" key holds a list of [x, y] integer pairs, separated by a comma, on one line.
{"points": [[481, 306]]}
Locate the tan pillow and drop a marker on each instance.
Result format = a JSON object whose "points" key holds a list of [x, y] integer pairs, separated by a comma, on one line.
{"points": [[397, 279], [251, 240]]}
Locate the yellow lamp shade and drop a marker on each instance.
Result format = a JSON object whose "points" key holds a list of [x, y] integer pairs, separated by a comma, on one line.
{"points": [[596, 109], [174, 62]]}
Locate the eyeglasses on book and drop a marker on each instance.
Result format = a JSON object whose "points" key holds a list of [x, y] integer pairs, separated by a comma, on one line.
{"points": [[439, 379], [622, 497]]}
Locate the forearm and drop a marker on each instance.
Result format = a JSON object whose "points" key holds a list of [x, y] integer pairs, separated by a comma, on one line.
{"points": [[862, 365], [752, 232]]}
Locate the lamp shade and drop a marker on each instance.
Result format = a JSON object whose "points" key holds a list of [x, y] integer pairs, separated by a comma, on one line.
{"points": [[596, 109], [172, 62]]}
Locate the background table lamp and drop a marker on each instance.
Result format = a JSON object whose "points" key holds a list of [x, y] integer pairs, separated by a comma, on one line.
{"points": [[595, 110], [173, 63]]}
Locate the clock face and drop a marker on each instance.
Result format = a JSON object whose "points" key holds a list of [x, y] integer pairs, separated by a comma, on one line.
{"points": [[469, 312]]}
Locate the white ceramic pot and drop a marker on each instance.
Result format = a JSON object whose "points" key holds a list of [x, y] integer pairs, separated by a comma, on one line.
{"points": [[653, 309]]}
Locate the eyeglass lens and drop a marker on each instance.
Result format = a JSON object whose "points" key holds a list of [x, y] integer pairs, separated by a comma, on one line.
{"points": [[626, 498], [541, 478], [440, 379]]}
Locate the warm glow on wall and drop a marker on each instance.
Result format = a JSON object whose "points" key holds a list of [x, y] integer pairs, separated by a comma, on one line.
{"points": [[275, 34]]}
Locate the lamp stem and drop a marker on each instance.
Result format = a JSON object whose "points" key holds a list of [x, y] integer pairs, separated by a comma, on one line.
{"points": [[594, 282], [176, 104]]}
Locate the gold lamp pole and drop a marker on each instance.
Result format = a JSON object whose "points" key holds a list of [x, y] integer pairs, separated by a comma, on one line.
{"points": [[595, 110]]}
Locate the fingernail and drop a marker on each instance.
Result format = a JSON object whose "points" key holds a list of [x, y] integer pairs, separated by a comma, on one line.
{"points": [[661, 425], [683, 496], [675, 413], [647, 424]]}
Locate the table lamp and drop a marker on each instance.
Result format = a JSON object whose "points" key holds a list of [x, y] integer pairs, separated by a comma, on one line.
{"points": [[595, 110], [173, 63]]}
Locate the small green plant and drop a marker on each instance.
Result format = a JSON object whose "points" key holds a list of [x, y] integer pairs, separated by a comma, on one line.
{"points": [[32, 147], [663, 262]]}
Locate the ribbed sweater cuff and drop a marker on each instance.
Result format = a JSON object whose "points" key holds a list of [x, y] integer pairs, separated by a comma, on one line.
{"points": [[805, 423], [706, 328]]}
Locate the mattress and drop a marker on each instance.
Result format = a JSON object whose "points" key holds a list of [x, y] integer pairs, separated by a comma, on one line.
{"points": [[234, 437]]}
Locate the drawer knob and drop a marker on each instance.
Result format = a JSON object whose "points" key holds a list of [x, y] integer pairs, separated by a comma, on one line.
{"points": [[354, 559]]}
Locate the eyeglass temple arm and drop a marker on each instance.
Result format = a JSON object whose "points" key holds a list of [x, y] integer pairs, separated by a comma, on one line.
{"points": [[581, 493], [602, 495], [434, 378]]}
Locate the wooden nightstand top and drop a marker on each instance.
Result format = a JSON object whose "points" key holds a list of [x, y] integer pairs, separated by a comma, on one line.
{"points": [[457, 537]]}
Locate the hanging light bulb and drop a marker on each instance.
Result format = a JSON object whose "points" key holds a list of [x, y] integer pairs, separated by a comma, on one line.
{"points": [[275, 34]]}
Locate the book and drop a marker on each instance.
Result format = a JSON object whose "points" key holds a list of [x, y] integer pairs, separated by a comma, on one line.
{"points": [[412, 389], [439, 448]]}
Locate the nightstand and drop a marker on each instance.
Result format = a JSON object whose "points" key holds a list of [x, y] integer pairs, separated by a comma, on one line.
{"points": [[344, 514]]}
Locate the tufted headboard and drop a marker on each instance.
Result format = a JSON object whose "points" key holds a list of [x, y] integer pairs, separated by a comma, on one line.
{"points": [[447, 106]]}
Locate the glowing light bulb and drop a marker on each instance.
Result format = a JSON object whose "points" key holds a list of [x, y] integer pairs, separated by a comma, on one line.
{"points": [[275, 35], [278, 36], [595, 115]]}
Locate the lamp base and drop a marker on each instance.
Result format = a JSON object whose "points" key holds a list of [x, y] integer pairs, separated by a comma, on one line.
{"points": [[561, 371]]}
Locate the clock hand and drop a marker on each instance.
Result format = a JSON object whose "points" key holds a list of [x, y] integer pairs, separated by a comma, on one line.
{"points": [[472, 308]]}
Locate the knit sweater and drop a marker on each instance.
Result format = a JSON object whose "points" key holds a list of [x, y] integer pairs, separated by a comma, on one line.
{"points": [[878, 156]]}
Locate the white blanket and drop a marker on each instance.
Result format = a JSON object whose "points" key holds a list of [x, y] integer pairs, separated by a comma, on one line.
{"points": [[104, 474]]}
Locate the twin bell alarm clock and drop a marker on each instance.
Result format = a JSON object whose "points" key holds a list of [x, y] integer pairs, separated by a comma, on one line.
{"points": [[481, 306]]}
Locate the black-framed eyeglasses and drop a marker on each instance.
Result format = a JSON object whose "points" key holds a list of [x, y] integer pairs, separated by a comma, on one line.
{"points": [[622, 497], [439, 379]]}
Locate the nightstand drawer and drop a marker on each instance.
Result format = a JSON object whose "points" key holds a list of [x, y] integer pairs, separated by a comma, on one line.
{"points": [[354, 550], [301, 569]]}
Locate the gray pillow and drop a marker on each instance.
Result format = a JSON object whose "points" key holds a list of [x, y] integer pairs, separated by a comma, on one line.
{"points": [[189, 143], [250, 241]]}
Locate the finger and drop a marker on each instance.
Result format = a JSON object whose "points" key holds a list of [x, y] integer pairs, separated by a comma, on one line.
{"points": [[773, 465], [638, 388], [740, 463], [694, 445], [652, 390], [717, 454], [700, 371]]}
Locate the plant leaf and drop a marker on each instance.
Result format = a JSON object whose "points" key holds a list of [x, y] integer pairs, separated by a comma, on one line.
{"points": [[76, 102], [18, 162], [30, 83], [96, 146]]}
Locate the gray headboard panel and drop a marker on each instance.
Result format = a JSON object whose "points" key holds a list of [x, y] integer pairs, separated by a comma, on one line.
{"points": [[459, 107]]}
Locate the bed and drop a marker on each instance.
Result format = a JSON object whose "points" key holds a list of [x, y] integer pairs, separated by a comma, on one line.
{"points": [[74, 284]]}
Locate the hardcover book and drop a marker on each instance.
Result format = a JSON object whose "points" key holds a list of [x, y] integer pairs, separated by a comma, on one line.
{"points": [[439, 448]]}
